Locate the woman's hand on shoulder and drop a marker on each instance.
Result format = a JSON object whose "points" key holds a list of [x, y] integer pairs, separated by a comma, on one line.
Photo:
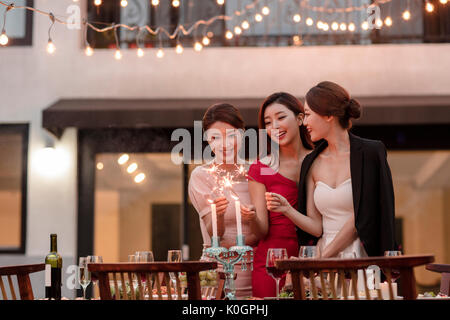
{"points": [[277, 203]]}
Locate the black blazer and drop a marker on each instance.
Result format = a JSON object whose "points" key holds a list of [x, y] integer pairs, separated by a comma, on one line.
{"points": [[373, 194]]}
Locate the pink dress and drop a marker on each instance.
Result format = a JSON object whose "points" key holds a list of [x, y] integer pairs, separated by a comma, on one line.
{"points": [[282, 231], [200, 189]]}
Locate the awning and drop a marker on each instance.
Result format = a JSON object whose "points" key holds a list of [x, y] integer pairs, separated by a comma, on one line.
{"points": [[181, 113]]}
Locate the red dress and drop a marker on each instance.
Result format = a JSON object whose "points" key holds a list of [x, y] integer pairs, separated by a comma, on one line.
{"points": [[282, 231]]}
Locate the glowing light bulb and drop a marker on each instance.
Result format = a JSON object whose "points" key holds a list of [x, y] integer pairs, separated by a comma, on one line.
{"points": [[229, 35], [326, 27], [118, 54], [351, 27], [124, 3], [237, 30], [179, 49], [245, 25], [429, 7], [198, 46], [335, 26], [132, 167], [319, 25], [443, 1], [51, 47], [140, 52], [155, 2], [100, 166], [89, 51], [379, 23], [265, 10], [98, 2], [309, 22], [297, 18], [406, 15], [220, 2], [365, 25], [160, 53], [175, 3], [343, 26], [4, 39], [206, 41], [388, 21], [258, 17], [123, 159], [139, 178]]}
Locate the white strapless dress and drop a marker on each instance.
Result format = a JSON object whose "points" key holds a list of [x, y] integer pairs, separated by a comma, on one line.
{"points": [[336, 207]]}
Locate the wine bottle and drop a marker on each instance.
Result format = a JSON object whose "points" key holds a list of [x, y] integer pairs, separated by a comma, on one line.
{"points": [[53, 271]]}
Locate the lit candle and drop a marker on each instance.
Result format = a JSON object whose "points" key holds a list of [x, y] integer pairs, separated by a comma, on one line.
{"points": [[237, 205], [214, 219]]}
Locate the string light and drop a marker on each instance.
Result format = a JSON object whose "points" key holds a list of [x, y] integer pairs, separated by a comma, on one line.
{"points": [[229, 35], [89, 51], [50, 46], [351, 27], [429, 7], [140, 53], [220, 2], [155, 3], [139, 178], [175, 3], [406, 15], [325, 27], [118, 55], [245, 25], [343, 26], [160, 53], [297, 18], [100, 166], [237, 30], [379, 23], [265, 10], [132, 167], [309, 21], [124, 3], [123, 159], [98, 2], [4, 38], [179, 48], [258, 17], [365, 26], [334, 26], [205, 41], [198, 46], [388, 21], [443, 1]]}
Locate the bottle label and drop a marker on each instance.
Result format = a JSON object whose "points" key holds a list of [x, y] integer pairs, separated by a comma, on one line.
{"points": [[48, 275]]}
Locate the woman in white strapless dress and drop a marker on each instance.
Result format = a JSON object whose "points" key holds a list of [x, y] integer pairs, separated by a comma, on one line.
{"points": [[336, 207]]}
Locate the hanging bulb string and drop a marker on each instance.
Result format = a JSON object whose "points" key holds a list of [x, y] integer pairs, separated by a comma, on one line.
{"points": [[52, 18], [326, 9], [9, 7]]}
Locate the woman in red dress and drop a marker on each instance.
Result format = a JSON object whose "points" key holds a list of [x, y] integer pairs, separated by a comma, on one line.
{"points": [[281, 114]]}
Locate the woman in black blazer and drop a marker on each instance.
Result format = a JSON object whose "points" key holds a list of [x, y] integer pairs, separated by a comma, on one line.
{"points": [[346, 179]]}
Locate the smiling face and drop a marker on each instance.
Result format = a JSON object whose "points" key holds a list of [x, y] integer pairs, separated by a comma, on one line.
{"points": [[318, 126], [282, 124], [224, 140]]}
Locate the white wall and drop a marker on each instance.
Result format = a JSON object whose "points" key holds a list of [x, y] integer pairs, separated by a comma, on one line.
{"points": [[30, 81]]}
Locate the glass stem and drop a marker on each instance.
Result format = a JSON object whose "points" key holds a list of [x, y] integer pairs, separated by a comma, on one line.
{"points": [[84, 293], [278, 287]]}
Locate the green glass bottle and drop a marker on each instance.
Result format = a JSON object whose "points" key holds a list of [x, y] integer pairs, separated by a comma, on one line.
{"points": [[53, 271]]}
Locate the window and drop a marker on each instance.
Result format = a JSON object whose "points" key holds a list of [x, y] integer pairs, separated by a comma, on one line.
{"points": [[19, 23], [13, 182], [272, 23]]}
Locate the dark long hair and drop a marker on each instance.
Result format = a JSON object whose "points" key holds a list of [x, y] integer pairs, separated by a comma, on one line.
{"points": [[330, 99], [223, 112], [293, 104]]}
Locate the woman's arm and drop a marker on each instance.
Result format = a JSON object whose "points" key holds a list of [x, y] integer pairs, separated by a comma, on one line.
{"points": [[343, 239], [259, 222], [311, 222]]}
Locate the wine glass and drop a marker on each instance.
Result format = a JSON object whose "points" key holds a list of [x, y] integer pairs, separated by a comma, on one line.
{"points": [[94, 259], [84, 276], [272, 255], [174, 256], [307, 252], [395, 274], [143, 257]]}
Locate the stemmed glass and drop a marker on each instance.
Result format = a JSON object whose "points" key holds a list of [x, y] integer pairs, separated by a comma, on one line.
{"points": [[84, 276], [272, 255], [142, 257], [395, 274], [307, 252], [174, 256], [94, 259]]}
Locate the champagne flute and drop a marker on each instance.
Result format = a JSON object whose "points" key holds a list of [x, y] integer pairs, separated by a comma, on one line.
{"points": [[84, 276], [274, 254], [94, 259], [174, 256], [395, 274]]}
